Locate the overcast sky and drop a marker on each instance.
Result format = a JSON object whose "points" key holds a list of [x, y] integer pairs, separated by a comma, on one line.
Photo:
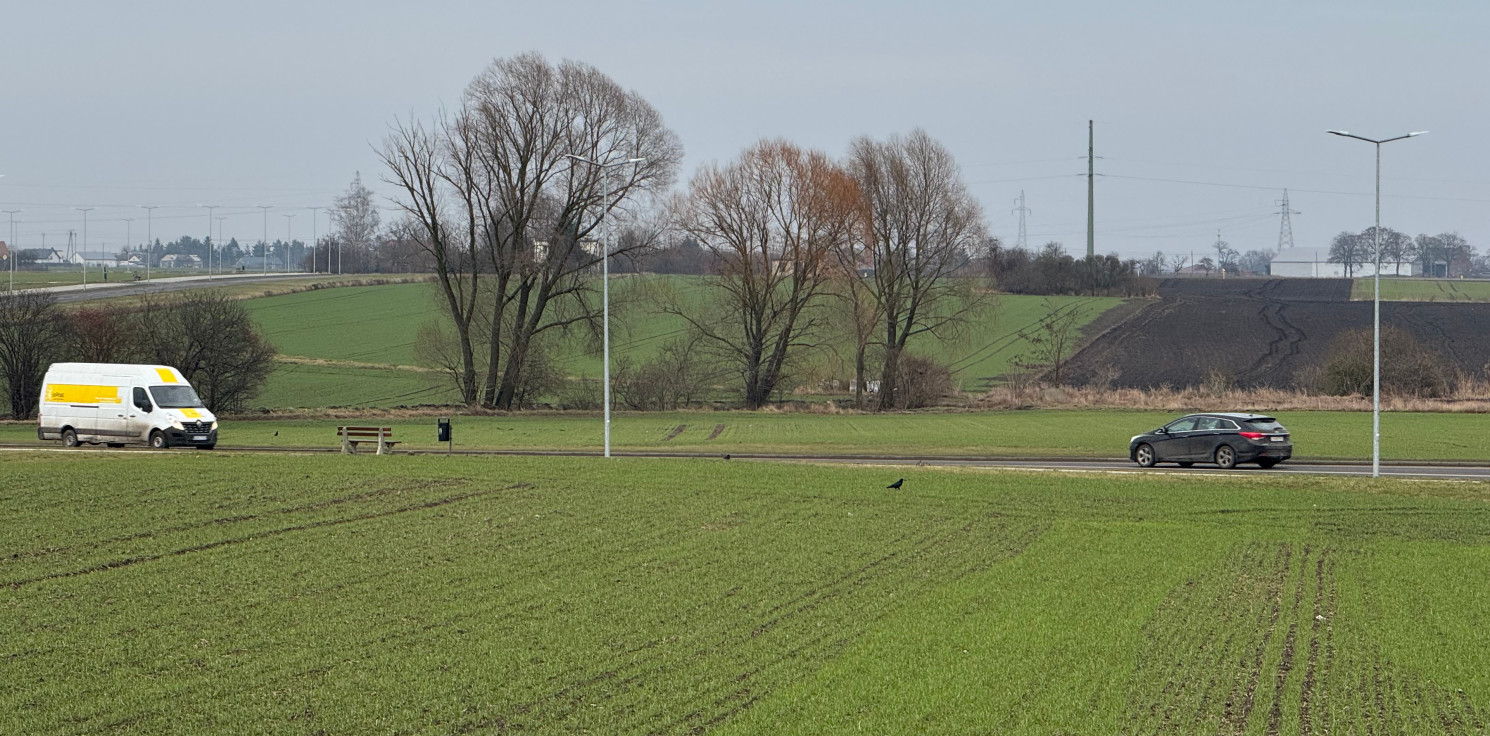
{"points": [[1204, 111]]}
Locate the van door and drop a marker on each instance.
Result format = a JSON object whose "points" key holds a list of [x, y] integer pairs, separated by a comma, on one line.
{"points": [[113, 416], [140, 413]]}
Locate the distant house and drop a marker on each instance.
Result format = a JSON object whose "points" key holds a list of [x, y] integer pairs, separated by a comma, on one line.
{"points": [[256, 263], [180, 260], [93, 259], [1315, 263], [48, 256]]}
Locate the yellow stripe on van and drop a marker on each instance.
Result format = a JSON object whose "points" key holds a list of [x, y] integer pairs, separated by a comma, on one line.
{"points": [[191, 414], [68, 393], [167, 375]]}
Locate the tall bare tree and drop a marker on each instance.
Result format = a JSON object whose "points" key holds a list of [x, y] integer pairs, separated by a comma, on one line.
{"points": [[923, 226], [495, 189], [772, 220], [354, 221], [33, 333], [212, 339], [1351, 250]]}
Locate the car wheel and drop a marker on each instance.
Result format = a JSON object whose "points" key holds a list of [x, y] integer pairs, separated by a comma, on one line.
{"points": [[1266, 463], [1185, 463], [157, 440], [1144, 456], [70, 438], [1225, 457]]}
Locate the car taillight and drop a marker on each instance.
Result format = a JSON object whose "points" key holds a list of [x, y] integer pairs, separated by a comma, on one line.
{"points": [[1253, 435]]}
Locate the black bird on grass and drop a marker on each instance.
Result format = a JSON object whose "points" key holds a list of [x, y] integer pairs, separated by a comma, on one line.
{"points": [[896, 484]]}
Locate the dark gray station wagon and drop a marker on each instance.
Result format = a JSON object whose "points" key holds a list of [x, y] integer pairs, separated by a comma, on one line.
{"points": [[1223, 438]]}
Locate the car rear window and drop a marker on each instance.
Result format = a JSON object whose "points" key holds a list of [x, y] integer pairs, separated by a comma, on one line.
{"points": [[1265, 425]]}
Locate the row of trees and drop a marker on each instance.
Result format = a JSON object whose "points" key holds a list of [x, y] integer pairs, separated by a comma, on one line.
{"points": [[507, 194], [209, 337], [1052, 271], [1443, 255], [1227, 259]]}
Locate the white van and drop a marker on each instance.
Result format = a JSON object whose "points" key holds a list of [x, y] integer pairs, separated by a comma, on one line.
{"points": [[119, 404]]}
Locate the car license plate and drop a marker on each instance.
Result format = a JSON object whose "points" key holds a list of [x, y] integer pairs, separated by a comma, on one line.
{"points": [[199, 438], [1280, 439]]}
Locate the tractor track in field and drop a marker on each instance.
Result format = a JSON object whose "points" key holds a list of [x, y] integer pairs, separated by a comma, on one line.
{"points": [[782, 637], [1263, 626], [256, 536]]}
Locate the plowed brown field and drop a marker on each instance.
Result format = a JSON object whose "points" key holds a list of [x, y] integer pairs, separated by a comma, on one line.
{"points": [[1262, 332]]}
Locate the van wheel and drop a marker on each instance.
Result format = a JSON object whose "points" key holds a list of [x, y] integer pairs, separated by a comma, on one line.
{"points": [[157, 440], [69, 438]]}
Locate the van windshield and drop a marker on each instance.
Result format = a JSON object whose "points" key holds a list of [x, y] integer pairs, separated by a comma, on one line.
{"points": [[175, 397]]}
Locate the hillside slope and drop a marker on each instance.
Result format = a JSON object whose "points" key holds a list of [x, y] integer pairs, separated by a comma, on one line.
{"points": [[1262, 333]]}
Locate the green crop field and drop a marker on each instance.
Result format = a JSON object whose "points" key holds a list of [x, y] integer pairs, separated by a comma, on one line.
{"points": [[1038, 433], [74, 276], [189, 593], [378, 324], [1423, 290]]}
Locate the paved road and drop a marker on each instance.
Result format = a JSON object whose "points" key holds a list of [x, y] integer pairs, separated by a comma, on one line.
{"points": [[111, 289], [1454, 471]]}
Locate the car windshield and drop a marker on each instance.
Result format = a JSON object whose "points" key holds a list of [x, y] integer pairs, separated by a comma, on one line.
{"points": [[1266, 425], [175, 397]]}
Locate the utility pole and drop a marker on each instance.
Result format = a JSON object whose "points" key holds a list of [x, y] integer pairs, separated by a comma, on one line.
{"points": [[1023, 242], [1285, 231], [1091, 192]]}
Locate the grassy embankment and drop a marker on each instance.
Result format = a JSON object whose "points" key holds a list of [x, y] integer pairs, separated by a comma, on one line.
{"points": [[355, 346], [198, 593], [1038, 433], [1423, 290]]}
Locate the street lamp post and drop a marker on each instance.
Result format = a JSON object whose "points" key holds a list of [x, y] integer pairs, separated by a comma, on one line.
{"points": [[210, 208], [1376, 303], [219, 219], [149, 236], [10, 253], [85, 210], [605, 280], [129, 233], [266, 208], [289, 235], [313, 241]]}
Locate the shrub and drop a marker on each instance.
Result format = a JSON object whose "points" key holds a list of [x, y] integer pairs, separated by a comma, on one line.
{"points": [[1407, 367], [922, 382]]}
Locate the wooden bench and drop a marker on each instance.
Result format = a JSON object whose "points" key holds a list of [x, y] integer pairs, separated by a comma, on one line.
{"points": [[352, 436]]}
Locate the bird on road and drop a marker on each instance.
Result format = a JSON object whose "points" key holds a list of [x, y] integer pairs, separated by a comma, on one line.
{"points": [[896, 484]]}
